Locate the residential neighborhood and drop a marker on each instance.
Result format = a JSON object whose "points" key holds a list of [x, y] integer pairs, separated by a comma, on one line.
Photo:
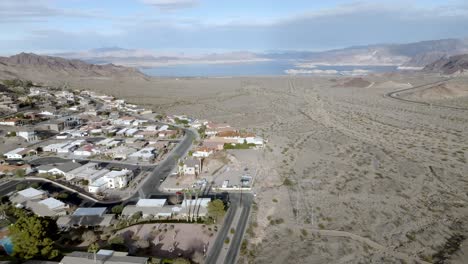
{"points": [[89, 161]]}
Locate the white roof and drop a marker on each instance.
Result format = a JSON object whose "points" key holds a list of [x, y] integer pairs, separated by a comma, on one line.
{"points": [[30, 192], [164, 127], [90, 211], [15, 151], [98, 183], [52, 203], [151, 202], [113, 174], [144, 152], [131, 131]]}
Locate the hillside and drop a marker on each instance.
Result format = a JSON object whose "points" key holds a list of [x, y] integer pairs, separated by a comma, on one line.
{"points": [[449, 65], [36, 67]]}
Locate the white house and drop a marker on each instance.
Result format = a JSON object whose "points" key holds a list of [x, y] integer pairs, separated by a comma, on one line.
{"points": [[97, 186], [202, 152], [191, 166], [117, 179], [89, 172], [110, 180], [28, 135], [60, 169], [15, 154], [143, 154]]}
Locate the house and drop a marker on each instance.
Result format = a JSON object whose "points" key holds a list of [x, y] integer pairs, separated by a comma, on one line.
{"points": [[120, 152], [131, 132], [86, 217], [98, 185], [118, 179], [145, 154], [16, 154], [60, 124], [87, 150], [167, 133], [213, 145], [109, 142], [11, 122], [110, 180], [50, 207], [202, 152], [157, 208], [191, 166], [213, 129], [124, 121], [28, 135], [60, 169], [89, 172], [29, 194], [102, 257], [65, 147]]}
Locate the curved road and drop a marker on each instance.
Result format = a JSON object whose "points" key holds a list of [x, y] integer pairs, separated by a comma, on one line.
{"points": [[395, 95]]}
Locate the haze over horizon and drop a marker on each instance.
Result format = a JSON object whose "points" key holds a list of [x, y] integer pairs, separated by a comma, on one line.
{"points": [[206, 26]]}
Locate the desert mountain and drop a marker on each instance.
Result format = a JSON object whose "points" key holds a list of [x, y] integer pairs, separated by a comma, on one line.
{"points": [[37, 67], [416, 54], [449, 65]]}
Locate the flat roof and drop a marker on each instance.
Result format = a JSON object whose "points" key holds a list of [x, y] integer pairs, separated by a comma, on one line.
{"points": [[31, 192], [81, 211], [52, 203], [151, 202], [15, 151]]}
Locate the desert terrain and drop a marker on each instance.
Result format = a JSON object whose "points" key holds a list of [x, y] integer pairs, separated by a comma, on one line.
{"points": [[348, 175]]}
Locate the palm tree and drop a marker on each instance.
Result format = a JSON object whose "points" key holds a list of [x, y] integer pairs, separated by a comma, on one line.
{"points": [[190, 205], [94, 247], [197, 192], [185, 199]]}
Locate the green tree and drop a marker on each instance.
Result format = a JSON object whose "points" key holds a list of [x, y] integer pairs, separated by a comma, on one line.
{"points": [[93, 248], [181, 261], [21, 186], [33, 237], [20, 173], [117, 209], [216, 209]]}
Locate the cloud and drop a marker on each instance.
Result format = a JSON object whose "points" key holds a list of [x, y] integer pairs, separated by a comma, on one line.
{"points": [[171, 4], [31, 11], [345, 25]]}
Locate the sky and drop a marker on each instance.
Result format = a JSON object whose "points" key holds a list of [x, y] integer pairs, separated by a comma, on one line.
{"points": [[203, 26]]}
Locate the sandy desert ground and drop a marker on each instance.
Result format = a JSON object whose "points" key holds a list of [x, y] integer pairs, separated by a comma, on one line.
{"points": [[348, 176]]}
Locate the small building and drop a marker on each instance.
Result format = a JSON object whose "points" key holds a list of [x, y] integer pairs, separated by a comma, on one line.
{"points": [[29, 194], [28, 135], [86, 217], [11, 122], [145, 154], [102, 257], [16, 154], [90, 172], [191, 166], [50, 207], [202, 152], [118, 179], [58, 169]]}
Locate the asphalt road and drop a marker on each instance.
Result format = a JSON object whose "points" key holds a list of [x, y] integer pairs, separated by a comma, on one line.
{"points": [[395, 95], [236, 240], [150, 186]]}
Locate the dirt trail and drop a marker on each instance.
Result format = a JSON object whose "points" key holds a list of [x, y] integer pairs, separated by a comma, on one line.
{"points": [[367, 241]]}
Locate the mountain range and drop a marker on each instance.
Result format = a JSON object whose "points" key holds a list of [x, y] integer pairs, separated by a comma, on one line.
{"points": [[409, 55], [32, 66]]}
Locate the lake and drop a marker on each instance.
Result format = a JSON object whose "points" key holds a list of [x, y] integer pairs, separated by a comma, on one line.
{"points": [[265, 68]]}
